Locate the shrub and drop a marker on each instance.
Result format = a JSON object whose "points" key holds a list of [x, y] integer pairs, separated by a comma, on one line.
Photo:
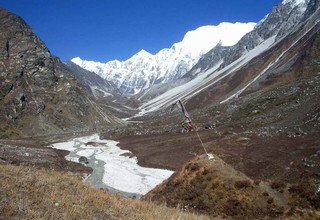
{"points": [[275, 211], [277, 185], [206, 171], [270, 200], [242, 184], [257, 182], [233, 207], [306, 192], [193, 167]]}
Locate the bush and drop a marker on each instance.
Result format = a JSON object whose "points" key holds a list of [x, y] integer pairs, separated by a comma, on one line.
{"points": [[277, 185], [275, 211], [306, 192], [242, 184], [193, 167], [270, 200], [206, 171], [233, 207], [257, 182]]}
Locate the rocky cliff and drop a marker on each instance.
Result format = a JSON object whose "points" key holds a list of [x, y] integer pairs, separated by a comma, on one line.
{"points": [[38, 94]]}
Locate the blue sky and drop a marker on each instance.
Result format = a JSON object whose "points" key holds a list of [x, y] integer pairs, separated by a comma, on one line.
{"points": [[104, 30]]}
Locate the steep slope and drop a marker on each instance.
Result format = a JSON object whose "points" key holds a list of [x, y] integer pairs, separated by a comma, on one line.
{"points": [[38, 94], [144, 69], [276, 47], [288, 60], [95, 84], [279, 22]]}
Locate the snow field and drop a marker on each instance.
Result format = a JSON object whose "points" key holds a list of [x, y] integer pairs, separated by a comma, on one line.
{"points": [[119, 172]]}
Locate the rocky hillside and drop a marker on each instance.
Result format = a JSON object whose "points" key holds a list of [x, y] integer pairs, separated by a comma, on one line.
{"points": [[38, 94], [281, 49], [95, 84], [291, 58], [283, 18]]}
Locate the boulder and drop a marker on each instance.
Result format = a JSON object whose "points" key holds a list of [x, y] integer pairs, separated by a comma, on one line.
{"points": [[83, 159], [209, 125]]}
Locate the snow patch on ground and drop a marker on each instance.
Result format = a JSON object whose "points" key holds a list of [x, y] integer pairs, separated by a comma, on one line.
{"points": [[64, 146], [86, 152], [115, 171], [124, 174]]}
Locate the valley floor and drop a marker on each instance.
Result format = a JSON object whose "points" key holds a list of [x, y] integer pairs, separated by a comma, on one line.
{"points": [[262, 158], [272, 138], [271, 135], [113, 169]]}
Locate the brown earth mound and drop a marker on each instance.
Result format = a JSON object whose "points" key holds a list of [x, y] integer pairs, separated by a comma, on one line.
{"points": [[212, 187]]}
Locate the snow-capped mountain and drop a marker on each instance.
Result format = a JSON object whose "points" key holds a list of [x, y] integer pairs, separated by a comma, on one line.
{"points": [[144, 69], [267, 55], [278, 23], [94, 84]]}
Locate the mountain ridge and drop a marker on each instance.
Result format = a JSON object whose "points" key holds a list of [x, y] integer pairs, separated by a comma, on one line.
{"points": [[143, 69], [222, 63]]}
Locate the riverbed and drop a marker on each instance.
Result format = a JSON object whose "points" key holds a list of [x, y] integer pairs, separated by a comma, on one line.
{"points": [[113, 168]]}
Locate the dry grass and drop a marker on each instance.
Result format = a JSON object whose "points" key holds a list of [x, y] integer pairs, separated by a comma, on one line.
{"points": [[8, 132], [216, 189], [28, 193], [303, 195]]}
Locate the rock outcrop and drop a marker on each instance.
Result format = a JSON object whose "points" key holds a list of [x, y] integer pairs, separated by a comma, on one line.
{"points": [[38, 94]]}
